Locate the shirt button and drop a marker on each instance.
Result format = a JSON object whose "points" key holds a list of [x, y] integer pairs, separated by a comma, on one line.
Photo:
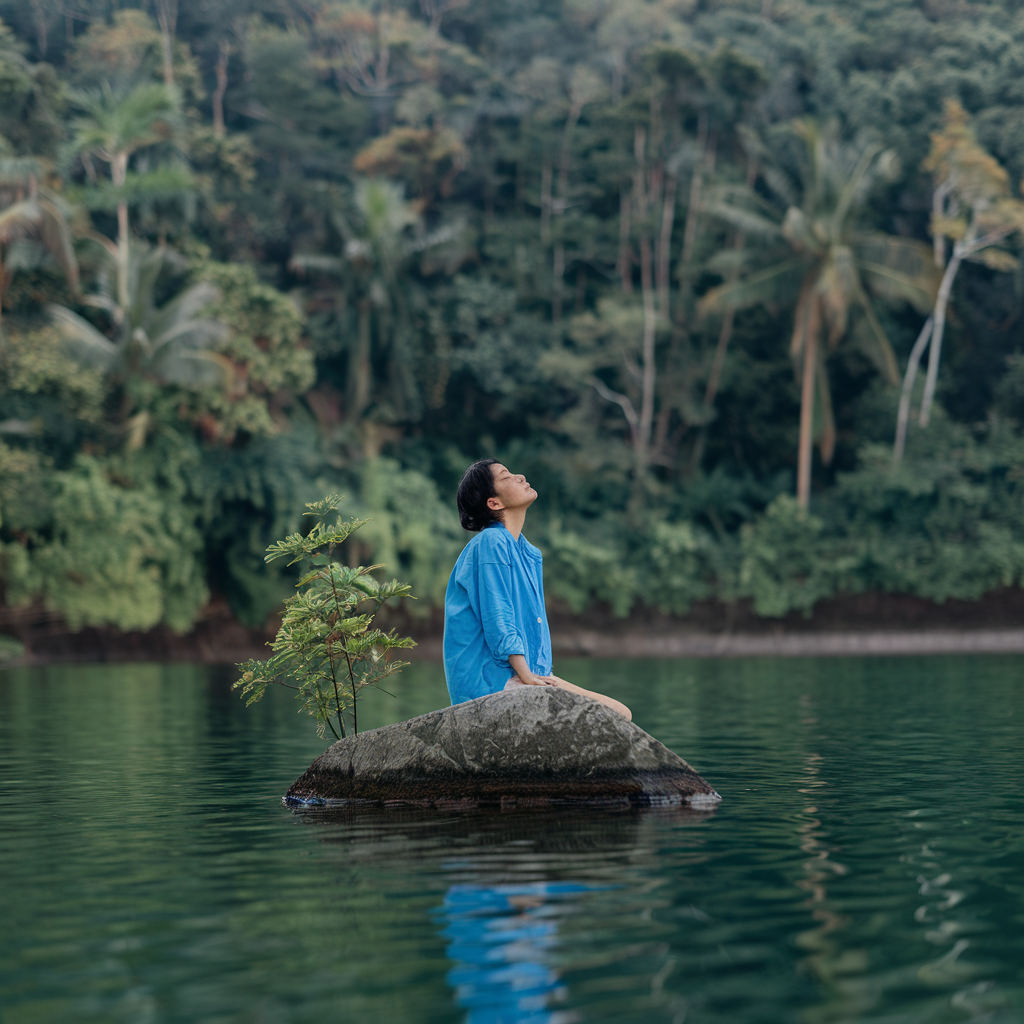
{"points": [[538, 618]]}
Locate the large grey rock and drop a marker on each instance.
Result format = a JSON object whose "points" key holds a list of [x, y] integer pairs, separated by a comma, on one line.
{"points": [[532, 746]]}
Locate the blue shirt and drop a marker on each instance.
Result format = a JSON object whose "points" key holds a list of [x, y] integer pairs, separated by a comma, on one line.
{"points": [[494, 608]]}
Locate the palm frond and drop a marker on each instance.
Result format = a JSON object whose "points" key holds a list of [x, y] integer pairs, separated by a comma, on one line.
{"points": [[886, 357], [164, 183], [144, 268], [101, 300], [798, 229], [855, 185], [906, 254], [753, 144], [84, 343], [56, 237], [108, 249], [192, 369], [747, 221], [317, 262], [18, 170], [116, 121], [18, 220], [192, 335], [891, 284], [340, 223], [777, 283], [730, 261], [443, 234], [781, 185], [899, 268], [184, 308], [23, 254], [742, 195]]}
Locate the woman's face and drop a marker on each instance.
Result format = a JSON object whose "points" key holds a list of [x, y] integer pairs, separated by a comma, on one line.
{"points": [[512, 490]]}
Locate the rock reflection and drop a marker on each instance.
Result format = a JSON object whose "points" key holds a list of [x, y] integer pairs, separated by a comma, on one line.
{"points": [[511, 881], [591, 836]]}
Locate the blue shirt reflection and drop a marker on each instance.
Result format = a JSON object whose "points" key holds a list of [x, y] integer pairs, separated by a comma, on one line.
{"points": [[501, 936]]}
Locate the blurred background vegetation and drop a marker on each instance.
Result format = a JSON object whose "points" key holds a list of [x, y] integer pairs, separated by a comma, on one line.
{"points": [[676, 260]]}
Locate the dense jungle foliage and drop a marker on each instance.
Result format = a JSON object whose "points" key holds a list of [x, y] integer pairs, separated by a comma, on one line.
{"points": [[679, 261]]}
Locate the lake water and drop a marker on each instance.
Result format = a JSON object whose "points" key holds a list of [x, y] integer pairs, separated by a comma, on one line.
{"points": [[866, 862]]}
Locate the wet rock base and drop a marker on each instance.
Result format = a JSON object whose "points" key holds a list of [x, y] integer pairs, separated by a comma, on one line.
{"points": [[531, 747]]}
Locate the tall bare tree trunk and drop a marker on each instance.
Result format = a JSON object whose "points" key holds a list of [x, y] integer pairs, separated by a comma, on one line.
{"points": [[941, 302], [939, 197], [625, 267], [648, 373], [217, 99], [42, 28], [557, 274], [811, 316], [715, 376], [119, 174], [558, 258], [359, 364], [581, 287], [707, 142], [668, 214], [648, 376], [545, 202], [729, 320], [903, 415], [167, 17]]}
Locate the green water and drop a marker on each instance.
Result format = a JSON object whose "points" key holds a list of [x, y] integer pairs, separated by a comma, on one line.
{"points": [[866, 863]]}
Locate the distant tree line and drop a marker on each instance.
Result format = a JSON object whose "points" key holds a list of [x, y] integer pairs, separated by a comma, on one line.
{"points": [[736, 283]]}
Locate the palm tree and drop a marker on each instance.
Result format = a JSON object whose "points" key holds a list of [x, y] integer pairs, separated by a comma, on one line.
{"points": [[33, 223], [173, 343], [380, 232], [825, 264], [114, 125]]}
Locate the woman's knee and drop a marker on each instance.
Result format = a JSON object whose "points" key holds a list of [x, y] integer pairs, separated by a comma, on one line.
{"points": [[617, 705]]}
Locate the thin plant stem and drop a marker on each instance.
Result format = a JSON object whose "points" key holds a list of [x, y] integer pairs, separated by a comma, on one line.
{"points": [[352, 681], [325, 710], [337, 696]]}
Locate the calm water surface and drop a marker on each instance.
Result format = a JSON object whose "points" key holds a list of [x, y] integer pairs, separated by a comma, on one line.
{"points": [[866, 863]]}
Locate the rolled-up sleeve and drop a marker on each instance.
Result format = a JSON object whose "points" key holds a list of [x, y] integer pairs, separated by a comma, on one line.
{"points": [[497, 610]]}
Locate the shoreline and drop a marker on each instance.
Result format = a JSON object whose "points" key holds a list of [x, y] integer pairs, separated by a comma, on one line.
{"points": [[878, 643], [598, 645], [848, 626]]}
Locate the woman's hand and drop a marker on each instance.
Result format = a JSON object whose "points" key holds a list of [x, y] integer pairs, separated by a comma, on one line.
{"points": [[525, 676]]}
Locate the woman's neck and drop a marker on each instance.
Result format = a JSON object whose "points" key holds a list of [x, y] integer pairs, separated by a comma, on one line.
{"points": [[513, 521]]}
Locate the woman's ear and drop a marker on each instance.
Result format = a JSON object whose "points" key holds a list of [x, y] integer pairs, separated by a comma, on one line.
{"points": [[495, 505]]}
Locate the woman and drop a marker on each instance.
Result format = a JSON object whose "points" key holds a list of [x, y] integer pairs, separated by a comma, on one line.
{"points": [[495, 624]]}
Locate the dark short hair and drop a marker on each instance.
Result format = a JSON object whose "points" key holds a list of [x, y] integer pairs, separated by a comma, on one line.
{"points": [[476, 486]]}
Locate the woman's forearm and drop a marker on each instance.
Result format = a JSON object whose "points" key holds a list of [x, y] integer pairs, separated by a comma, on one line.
{"points": [[522, 670]]}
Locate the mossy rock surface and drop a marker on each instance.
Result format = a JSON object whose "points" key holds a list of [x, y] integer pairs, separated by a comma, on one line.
{"points": [[528, 747]]}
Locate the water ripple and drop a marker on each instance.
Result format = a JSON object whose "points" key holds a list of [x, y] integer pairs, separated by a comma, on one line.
{"points": [[863, 866]]}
